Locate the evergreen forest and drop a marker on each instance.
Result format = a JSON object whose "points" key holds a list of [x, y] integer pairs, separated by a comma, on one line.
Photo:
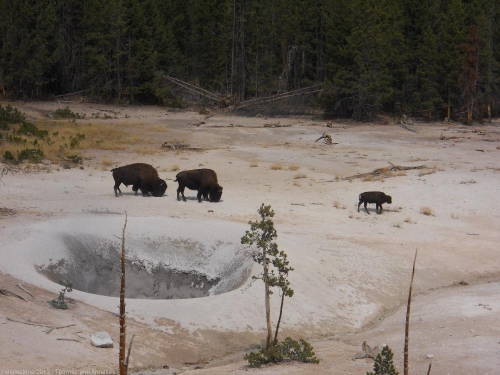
{"points": [[426, 58]]}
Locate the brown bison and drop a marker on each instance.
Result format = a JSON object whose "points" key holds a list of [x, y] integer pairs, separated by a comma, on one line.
{"points": [[203, 180], [376, 197], [141, 176]]}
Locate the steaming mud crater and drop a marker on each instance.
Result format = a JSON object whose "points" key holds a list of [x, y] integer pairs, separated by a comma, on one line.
{"points": [[165, 258]]}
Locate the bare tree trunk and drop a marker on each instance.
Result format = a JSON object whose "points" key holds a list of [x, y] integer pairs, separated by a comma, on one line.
{"points": [[489, 113], [233, 48], [449, 107], [267, 300], [122, 361], [407, 328], [279, 319]]}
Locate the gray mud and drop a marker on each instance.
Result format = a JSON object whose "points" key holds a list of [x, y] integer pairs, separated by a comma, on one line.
{"points": [[94, 267]]}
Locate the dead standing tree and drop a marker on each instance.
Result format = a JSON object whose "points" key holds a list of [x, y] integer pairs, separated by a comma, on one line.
{"points": [[407, 326], [123, 361]]}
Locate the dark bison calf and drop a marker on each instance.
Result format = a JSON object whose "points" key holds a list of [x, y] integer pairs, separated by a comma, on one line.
{"points": [[376, 197], [141, 176], [203, 180]]}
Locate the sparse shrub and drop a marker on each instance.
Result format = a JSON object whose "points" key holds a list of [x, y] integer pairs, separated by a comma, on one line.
{"points": [[31, 154], [106, 162], [66, 113], [10, 115], [15, 139], [383, 363], [300, 175], [289, 349], [28, 128], [60, 303], [9, 156], [276, 166], [76, 159], [75, 141], [398, 225], [253, 164], [174, 168], [293, 167], [427, 211], [408, 220]]}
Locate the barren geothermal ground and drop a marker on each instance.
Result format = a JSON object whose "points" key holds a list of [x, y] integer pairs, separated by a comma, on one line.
{"points": [[352, 269]]}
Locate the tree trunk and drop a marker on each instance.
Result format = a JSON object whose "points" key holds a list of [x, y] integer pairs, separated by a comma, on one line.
{"points": [[279, 319], [267, 300], [122, 360], [449, 108], [407, 327]]}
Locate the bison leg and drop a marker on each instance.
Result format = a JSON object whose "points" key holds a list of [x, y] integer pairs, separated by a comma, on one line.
{"points": [[379, 205], [366, 209], [181, 190], [359, 204], [117, 188], [135, 188], [200, 193]]}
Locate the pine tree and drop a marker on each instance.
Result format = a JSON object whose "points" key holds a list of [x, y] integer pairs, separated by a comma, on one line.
{"points": [[383, 363]]}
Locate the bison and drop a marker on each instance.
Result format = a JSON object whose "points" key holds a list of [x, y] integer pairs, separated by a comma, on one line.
{"points": [[141, 176], [203, 180], [376, 197]]}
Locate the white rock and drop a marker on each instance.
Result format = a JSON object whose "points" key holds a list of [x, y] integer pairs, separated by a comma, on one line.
{"points": [[101, 340]]}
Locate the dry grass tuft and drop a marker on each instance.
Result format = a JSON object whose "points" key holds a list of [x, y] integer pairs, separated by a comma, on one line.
{"points": [[293, 167], [454, 216], [174, 168], [368, 178], [398, 225], [300, 175], [424, 173], [253, 164], [276, 166], [106, 162], [409, 220], [427, 211]]}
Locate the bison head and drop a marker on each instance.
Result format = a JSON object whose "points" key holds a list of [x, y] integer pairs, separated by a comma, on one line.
{"points": [[389, 199], [159, 188], [215, 193]]}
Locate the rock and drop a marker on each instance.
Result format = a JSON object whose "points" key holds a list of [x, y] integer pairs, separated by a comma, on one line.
{"points": [[101, 340], [429, 356]]}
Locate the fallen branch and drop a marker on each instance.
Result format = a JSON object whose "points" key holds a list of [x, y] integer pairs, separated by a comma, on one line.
{"points": [[30, 323], [384, 172], [129, 349], [21, 287], [368, 352], [6, 292], [327, 139], [53, 328], [405, 121], [65, 339]]}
